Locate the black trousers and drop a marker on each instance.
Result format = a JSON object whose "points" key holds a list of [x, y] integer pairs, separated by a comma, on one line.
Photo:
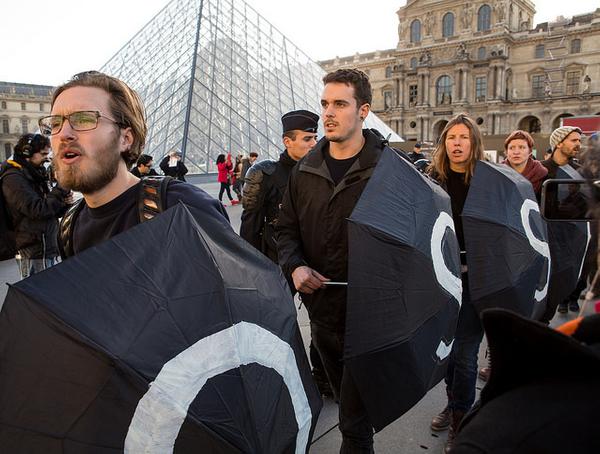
{"points": [[224, 187], [357, 431]]}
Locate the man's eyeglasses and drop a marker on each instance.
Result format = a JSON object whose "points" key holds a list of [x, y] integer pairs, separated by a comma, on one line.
{"points": [[83, 120]]}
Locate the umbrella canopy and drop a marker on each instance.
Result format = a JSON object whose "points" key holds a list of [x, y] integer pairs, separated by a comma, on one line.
{"points": [[506, 242], [404, 289], [569, 242], [175, 336]]}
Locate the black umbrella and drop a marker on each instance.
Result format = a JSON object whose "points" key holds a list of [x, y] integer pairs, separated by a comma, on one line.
{"points": [[569, 242], [506, 242], [404, 289], [176, 336]]}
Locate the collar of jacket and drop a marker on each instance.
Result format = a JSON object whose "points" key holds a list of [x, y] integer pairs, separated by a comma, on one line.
{"points": [[286, 159], [362, 168], [14, 164]]}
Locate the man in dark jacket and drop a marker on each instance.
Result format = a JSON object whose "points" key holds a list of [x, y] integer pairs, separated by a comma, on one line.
{"points": [[312, 233], [266, 182], [98, 130], [144, 167], [33, 206], [565, 143]]}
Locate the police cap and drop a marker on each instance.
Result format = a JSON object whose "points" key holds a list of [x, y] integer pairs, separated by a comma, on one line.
{"points": [[302, 120]]}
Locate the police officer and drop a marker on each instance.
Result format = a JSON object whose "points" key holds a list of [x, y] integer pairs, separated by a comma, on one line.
{"points": [[266, 182]]}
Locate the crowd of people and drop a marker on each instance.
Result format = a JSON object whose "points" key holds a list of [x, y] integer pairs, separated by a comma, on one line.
{"points": [[295, 210]]}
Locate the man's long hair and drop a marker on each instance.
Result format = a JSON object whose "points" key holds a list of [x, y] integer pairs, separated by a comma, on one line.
{"points": [[440, 164], [126, 107]]}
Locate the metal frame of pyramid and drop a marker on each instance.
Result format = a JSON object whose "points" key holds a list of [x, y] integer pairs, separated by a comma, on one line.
{"points": [[216, 77]]}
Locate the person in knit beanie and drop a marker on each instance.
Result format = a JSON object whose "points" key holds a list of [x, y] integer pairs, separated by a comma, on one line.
{"points": [[518, 147], [566, 144]]}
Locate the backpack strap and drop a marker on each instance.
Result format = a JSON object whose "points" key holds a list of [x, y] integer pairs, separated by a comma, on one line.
{"points": [[153, 196], [66, 228]]}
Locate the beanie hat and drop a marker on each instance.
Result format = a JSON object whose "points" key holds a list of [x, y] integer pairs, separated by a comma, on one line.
{"points": [[559, 134]]}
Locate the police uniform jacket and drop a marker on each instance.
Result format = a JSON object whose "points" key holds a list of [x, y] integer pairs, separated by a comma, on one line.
{"points": [[264, 187], [312, 227]]}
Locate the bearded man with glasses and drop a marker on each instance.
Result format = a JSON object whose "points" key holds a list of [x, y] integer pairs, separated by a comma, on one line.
{"points": [[98, 129]]}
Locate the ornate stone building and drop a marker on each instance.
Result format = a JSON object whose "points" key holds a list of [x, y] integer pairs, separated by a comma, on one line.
{"points": [[21, 105], [486, 59]]}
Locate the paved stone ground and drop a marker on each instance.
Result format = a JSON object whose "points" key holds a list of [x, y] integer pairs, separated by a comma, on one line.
{"points": [[408, 435]]}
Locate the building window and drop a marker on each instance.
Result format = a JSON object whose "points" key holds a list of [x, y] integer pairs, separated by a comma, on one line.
{"points": [[4, 104], [41, 107], [484, 16], [388, 72], [443, 88], [539, 51], [448, 25], [23, 106], [537, 86], [481, 53], [5, 126], [415, 31], [7, 150], [412, 95], [575, 46], [387, 99], [573, 78], [413, 63], [24, 125], [480, 89]]}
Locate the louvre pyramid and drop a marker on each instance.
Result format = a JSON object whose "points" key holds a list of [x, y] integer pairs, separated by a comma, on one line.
{"points": [[216, 77]]}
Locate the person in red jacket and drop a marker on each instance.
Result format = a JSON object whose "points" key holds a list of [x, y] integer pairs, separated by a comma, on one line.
{"points": [[225, 168], [518, 147]]}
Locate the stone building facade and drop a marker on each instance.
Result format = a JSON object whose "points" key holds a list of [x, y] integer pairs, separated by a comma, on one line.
{"points": [[21, 105], [484, 58]]}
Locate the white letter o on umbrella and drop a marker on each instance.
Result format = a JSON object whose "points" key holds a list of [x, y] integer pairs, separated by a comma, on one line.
{"points": [[161, 412]]}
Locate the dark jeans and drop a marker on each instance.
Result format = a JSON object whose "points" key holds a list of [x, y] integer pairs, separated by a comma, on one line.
{"points": [[224, 187], [461, 375], [357, 431]]}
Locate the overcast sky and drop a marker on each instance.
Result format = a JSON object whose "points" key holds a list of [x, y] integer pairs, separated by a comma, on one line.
{"points": [[47, 42]]}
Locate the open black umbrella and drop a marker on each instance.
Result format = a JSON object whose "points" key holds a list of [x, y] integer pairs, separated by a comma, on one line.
{"points": [[404, 289], [506, 241], [569, 242], [175, 336]]}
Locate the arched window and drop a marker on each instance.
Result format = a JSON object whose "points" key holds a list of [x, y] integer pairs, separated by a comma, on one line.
{"points": [[481, 53], [539, 51], [448, 25], [388, 72], [484, 18], [413, 63], [415, 31], [4, 104], [443, 88], [575, 46]]}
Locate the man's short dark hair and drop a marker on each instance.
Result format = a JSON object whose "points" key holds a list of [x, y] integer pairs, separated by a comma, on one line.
{"points": [[144, 160], [355, 78], [291, 134], [253, 154]]}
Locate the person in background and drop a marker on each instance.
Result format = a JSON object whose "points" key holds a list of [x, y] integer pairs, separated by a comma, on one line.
{"points": [[143, 167], [172, 166], [33, 206], [416, 154], [225, 169], [238, 182], [518, 148]]}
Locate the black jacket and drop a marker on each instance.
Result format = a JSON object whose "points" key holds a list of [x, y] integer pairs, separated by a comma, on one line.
{"points": [[312, 228], [178, 172], [264, 187], [34, 210]]}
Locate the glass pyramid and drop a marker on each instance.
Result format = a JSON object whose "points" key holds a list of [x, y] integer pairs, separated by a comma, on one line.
{"points": [[216, 77]]}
